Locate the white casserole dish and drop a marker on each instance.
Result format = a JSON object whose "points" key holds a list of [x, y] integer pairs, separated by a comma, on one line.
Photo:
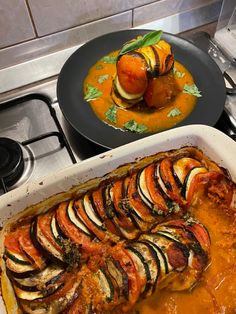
{"points": [[215, 144]]}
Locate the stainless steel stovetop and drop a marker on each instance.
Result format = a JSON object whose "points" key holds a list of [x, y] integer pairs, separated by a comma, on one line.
{"points": [[48, 143]]}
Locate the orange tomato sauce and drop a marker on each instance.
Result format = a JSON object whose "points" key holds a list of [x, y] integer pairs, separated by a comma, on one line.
{"points": [[154, 119], [215, 293]]}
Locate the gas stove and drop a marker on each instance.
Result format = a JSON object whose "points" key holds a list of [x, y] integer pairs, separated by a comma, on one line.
{"points": [[36, 140]]}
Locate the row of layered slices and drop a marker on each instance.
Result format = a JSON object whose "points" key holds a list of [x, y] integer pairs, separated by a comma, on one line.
{"points": [[47, 259]]}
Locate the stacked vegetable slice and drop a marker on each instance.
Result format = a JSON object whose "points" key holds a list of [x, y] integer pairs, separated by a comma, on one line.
{"points": [[114, 241]]}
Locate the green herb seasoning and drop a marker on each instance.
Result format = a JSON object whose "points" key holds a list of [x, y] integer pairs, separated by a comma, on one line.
{"points": [[178, 73], [148, 39], [192, 90], [103, 78], [111, 114], [92, 93], [133, 126], [173, 113], [99, 67], [109, 59]]}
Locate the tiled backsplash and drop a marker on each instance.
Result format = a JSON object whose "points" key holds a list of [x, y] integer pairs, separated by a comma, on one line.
{"points": [[32, 28]]}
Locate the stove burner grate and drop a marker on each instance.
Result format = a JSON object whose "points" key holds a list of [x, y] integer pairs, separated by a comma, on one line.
{"points": [[11, 161]]}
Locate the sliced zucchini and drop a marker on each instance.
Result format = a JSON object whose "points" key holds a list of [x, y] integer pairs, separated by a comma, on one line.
{"points": [[141, 266], [43, 245], [182, 166], [163, 262], [20, 271], [124, 94], [48, 276], [16, 257], [76, 220], [188, 179], [120, 276], [142, 189], [150, 258], [56, 231], [34, 295], [159, 179], [106, 285], [91, 213]]}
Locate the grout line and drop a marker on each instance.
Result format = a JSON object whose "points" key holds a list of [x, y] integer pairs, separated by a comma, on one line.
{"points": [[31, 17]]}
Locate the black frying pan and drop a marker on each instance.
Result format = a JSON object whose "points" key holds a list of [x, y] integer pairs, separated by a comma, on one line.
{"points": [[206, 74]]}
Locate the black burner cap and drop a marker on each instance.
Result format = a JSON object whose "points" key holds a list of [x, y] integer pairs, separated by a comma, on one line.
{"points": [[11, 160]]}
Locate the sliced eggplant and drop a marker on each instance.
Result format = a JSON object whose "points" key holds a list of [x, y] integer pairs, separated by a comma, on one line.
{"points": [[164, 267], [189, 178], [56, 231], [182, 166], [110, 210], [106, 285], [129, 210], [20, 271], [90, 210], [76, 220], [16, 257], [143, 191], [44, 245], [141, 266], [35, 295], [48, 276], [120, 276], [150, 259]]}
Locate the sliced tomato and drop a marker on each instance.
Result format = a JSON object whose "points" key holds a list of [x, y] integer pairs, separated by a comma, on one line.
{"points": [[73, 233], [98, 200], [11, 241], [201, 180], [95, 229], [118, 196], [44, 222], [198, 230], [166, 172], [120, 254], [132, 73], [27, 246], [140, 208], [154, 189], [160, 91]]}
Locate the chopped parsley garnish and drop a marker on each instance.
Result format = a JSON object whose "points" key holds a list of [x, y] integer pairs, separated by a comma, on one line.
{"points": [[103, 78], [92, 93], [133, 126], [111, 114], [178, 73], [192, 90], [109, 59], [148, 39], [174, 112]]}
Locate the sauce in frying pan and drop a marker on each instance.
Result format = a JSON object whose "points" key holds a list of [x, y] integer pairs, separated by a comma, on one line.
{"points": [[177, 109], [216, 291]]}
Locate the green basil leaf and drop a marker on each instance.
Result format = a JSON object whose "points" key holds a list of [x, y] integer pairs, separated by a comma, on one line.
{"points": [[192, 90], [148, 39], [174, 112], [92, 93], [178, 73], [133, 126], [109, 59], [103, 78], [111, 114]]}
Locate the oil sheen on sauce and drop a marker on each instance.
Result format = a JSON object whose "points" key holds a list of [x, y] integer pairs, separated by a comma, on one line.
{"points": [[155, 120], [215, 293]]}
